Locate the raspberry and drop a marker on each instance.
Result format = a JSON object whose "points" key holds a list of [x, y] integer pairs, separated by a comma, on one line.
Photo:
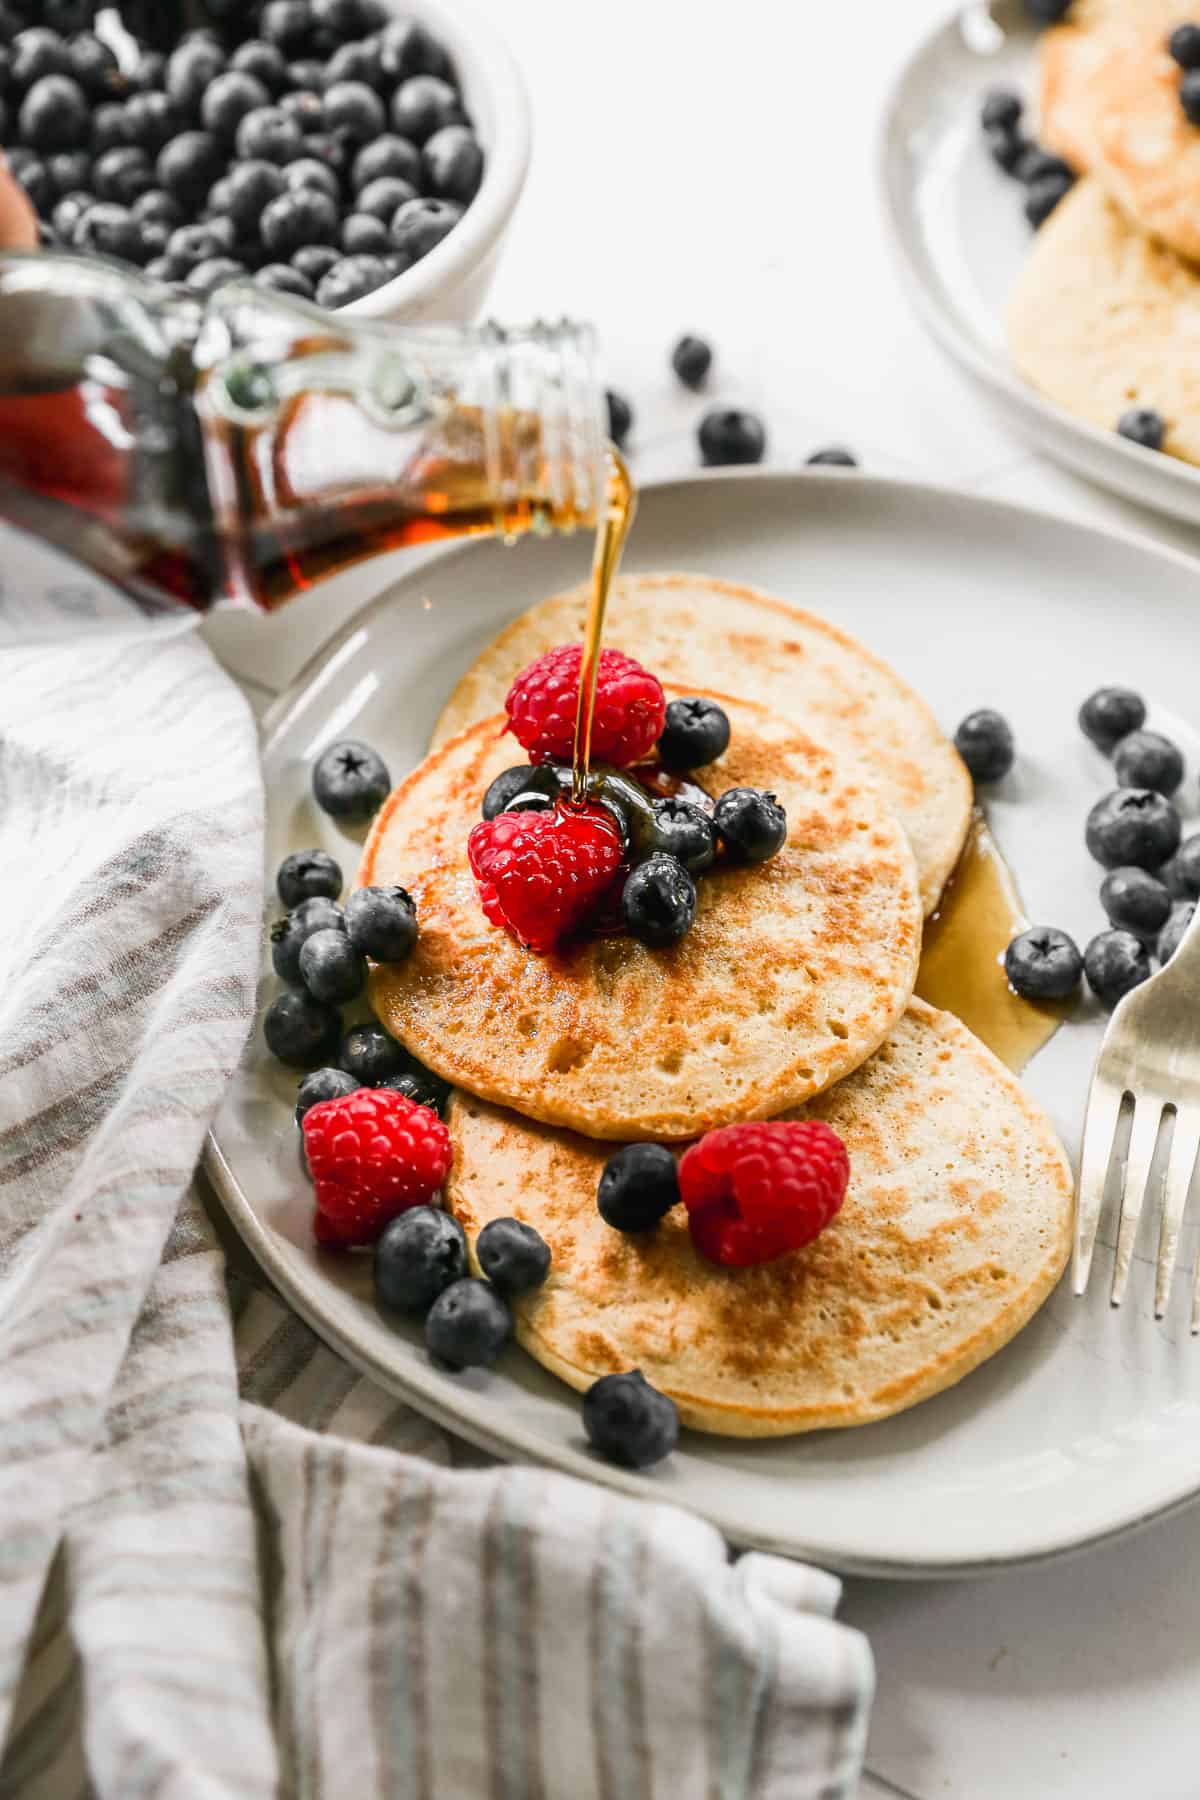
{"points": [[544, 698], [373, 1154], [754, 1192], [541, 874]]}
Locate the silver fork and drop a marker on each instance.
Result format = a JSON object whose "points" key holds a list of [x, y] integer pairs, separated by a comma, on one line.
{"points": [[1150, 1056]]}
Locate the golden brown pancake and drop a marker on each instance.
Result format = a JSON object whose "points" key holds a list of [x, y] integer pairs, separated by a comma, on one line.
{"points": [[955, 1228], [692, 629], [792, 974], [1110, 105], [1103, 319]]}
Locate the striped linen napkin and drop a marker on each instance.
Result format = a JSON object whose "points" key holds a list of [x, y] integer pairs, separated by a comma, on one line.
{"points": [[229, 1567]]}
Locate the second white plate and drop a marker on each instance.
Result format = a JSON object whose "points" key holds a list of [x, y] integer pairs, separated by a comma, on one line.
{"points": [[961, 237]]}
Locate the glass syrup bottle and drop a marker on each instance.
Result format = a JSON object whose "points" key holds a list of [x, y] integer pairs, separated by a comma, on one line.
{"points": [[237, 449]]}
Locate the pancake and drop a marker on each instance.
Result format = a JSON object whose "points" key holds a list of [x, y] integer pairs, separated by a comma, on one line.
{"points": [[791, 975], [1103, 319], [1109, 103], [955, 1228], [693, 629]]}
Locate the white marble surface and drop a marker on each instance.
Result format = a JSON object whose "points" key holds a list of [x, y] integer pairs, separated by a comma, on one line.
{"points": [[711, 168]]}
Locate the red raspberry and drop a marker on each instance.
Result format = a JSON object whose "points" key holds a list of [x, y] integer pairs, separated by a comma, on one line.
{"points": [[541, 874], [754, 1192], [627, 723], [373, 1154]]}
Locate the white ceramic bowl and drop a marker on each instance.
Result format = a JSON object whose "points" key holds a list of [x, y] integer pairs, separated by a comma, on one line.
{"points": [[450, 283]]}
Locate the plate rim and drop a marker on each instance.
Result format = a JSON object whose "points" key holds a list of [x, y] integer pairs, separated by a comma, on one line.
{"points": [[462, 1412], [1079, 444]]}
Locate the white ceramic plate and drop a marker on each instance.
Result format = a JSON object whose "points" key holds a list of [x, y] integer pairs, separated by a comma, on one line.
{"points": [[1090, 1421], [961, 238]]}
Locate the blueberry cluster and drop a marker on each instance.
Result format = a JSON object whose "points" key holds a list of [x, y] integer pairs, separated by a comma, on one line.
{"points": [[1152, 883], [670, 840], [320, 145], [422, 1269], [1045, 178], [1183, 46]]}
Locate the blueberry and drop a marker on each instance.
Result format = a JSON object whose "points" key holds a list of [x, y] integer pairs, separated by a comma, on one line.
{"points": [[421, 1087], [658, 901], [1142, 425], [282, 278], [94, 66], [368, 1053], [287, 24], [158, 208], [388, 155], [452, 164], [356, 109], [630, 1422], [419, 226], [298, 217], [305, 111], [70, 171], [37, 53], [1047, 12], [150, 72], [38, 183], [54, 114], [1182, 873], [1172, 932], [193, 244], [468, 1324], [108, 128], [190, 69], [214, 272], [832, 457], [406, 48], [269, 133], [68, 212], [158, 269], [363, 235], [1008, 150], [355, 62], [381, 922], [299, 1030], [1135, 901], [350, 780], [308, 173], [984, 740], [518, 780], [352, 279], [123, 175], [228, 99], [1146, 759], [638, 1187], [1043, 963], [1133, 825], [1043, 195], [314, 261], [1110, 714], [288, 935], [109, 230], [150, 121], [423, 105], [331, 968], [323, 1084], [730, 436], [420, 1254], [1114, 962], [188, 166], [1037, 164], [154, 240], [1189, 96], [1184, 45], [250, 188], [751, 824], [620, 416], [691, 360], [265, 62], [696, 731], [513, 1256], [686, 833], [344, 18], [1001, 110]]}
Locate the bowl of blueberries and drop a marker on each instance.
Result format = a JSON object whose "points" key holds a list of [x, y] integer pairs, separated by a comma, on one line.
{"points": [[366, 154]]}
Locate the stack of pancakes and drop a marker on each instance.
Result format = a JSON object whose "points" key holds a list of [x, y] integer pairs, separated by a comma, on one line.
{"points": [[1106, 314], [791, 995]]}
